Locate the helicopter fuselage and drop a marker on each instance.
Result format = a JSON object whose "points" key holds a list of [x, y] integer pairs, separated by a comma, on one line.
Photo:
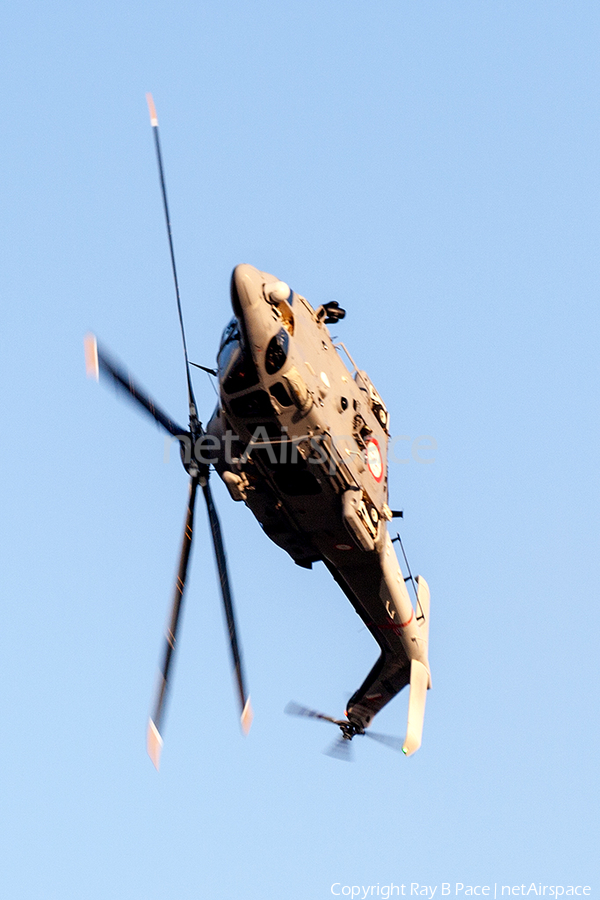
{"points": [[302, 439]]}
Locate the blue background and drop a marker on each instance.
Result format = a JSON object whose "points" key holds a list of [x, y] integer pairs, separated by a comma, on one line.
{"points": [[433, 166]]}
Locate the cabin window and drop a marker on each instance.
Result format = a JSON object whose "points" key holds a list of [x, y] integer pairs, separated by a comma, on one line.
{"points": [[277, 351], [296, 482], [281, 395], [251, 405]]}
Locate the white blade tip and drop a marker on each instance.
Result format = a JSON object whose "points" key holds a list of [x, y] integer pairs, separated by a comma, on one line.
{"points": [[247, 716], [91, 356], [154, 744], [152, 109]]}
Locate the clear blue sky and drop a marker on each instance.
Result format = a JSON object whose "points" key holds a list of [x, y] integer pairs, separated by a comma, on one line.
{"points": [[433, 166]]}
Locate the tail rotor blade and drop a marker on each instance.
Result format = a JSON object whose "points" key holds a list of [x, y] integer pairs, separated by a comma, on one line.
{"points": [[97, 360], [154, 735], [394, 743], [340, 749], [295, 709], [219, 547]]}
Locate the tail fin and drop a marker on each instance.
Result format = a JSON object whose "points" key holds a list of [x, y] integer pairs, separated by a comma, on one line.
{"points": [[423, 607], [419, 680]]}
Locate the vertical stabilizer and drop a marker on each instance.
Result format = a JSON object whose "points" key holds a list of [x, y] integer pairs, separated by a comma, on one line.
{"points": [[423, 607], [419, 680]]}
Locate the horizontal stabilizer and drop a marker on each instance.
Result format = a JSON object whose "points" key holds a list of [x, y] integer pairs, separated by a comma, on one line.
{"points": [[419, 679]]}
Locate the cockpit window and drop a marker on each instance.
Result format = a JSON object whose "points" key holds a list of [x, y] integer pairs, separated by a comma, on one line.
{"points": [[236, 369], [231, 332], [276, 353]]}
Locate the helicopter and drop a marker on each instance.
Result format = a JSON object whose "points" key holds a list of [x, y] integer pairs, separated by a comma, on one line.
{"points": [[301, 437]]}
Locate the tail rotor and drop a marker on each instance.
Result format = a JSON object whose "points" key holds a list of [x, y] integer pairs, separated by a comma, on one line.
{"points": [[342, 748]]}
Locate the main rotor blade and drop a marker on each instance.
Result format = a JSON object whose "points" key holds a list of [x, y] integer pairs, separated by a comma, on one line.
{"points": [[155, 740], [163, 188], [97, 360], [295, 709], [215, 527]]}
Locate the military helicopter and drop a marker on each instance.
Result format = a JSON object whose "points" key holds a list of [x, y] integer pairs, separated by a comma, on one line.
{"points": [[301, 438]]}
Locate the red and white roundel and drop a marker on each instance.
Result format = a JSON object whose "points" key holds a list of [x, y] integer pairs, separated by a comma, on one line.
{"points": [[374, 461]]}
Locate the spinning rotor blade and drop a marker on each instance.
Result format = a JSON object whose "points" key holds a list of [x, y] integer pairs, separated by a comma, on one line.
{"points": [[163, 188], [341, 749], [215, 527], [393, 742], [294, 709], [155, 741], [96, 361]]}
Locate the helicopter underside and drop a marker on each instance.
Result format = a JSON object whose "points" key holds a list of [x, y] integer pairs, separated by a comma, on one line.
{"points": [[300, 507], [309, 459]]}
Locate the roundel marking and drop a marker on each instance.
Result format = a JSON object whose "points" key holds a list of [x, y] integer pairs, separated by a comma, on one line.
{"points": [[343, 547], [374, 461]]}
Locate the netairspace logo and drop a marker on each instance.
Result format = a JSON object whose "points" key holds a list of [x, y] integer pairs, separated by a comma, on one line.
{"points": [[209, 449], [414, 889]]}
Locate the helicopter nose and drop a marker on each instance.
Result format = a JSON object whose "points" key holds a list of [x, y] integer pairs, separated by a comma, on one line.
{"points": [[251, 287], [246, 288]]}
